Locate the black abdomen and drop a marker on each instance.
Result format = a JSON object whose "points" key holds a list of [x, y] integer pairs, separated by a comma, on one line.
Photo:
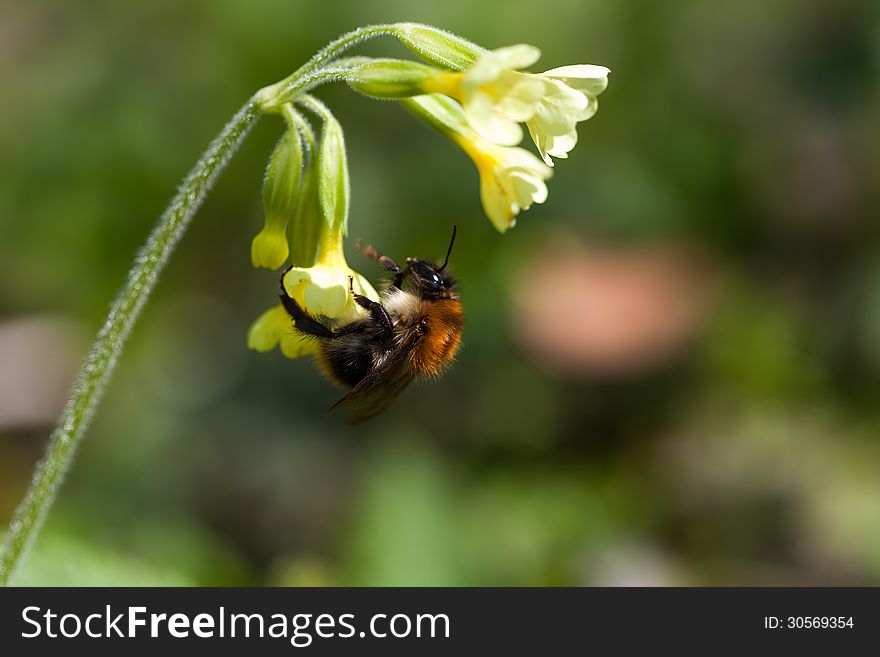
{"points": [[347, 363]]}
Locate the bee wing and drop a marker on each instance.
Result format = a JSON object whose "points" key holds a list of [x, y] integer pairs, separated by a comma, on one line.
{"points": [[380, 387]]}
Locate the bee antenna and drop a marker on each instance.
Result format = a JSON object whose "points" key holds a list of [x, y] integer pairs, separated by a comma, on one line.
{"points": [[449, 250]]}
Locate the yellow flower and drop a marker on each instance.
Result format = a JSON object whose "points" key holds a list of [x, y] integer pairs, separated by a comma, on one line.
{"points": [[497, 97], [275, 327], [571, 97], [511, 179], [323, 290]]}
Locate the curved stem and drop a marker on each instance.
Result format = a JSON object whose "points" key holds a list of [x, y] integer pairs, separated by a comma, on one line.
{"points": [[102, 359], [274, 97], [276, 94]]}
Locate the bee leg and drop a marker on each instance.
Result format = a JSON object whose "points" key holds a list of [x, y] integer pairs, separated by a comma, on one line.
{"points": [[397, 281], [386, 263], [303, 321], [379, 314], [377, 311]]}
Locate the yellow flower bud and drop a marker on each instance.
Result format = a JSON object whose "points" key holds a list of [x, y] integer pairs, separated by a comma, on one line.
{"points": [[269, 248]]}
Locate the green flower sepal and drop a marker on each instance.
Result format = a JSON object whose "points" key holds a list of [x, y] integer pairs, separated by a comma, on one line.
{"points": [[392, 78]]}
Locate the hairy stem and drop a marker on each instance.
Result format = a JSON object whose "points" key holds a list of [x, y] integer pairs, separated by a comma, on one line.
{"points": [[284, 91], [102, 359]]}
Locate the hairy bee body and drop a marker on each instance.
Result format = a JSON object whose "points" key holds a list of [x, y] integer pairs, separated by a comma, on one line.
{"points": [[435, 324], [412, 332]]}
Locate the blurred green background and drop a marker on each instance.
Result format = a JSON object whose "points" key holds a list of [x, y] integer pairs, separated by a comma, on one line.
{"points": [[670, 372]]}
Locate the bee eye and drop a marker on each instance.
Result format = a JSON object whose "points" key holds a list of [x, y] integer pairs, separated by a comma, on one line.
{"points": [[427, 275]]}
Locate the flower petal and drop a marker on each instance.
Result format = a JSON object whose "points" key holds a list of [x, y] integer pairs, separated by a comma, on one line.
{"points": [[323, 299], [320, 290], [542, 141], [511, 180], [275, 326], [485, 70], [588, 111], [496, 203], [517, 56], [297, 345], [560, 145], [491, 124], [557, 113], [553, 128], [527, 189], [588, 78], [519, 103], [265, 332], [520, 158]]}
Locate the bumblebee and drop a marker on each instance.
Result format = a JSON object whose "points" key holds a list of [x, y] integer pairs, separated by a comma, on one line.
{"points": [[412, 332]]}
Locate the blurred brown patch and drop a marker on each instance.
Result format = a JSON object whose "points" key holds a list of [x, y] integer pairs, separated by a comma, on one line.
{"points": [[39, 357], [612, 311]]}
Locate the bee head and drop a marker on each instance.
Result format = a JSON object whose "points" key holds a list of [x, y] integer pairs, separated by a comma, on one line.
{"points": [[427, 278]]}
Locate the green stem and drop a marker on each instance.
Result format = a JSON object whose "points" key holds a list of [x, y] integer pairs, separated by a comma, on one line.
{"points": [[101, 361], [281, 92], [274, 97]]}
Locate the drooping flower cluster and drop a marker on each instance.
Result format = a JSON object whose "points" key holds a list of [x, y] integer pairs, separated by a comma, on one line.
{"points": [[477, 98]]}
